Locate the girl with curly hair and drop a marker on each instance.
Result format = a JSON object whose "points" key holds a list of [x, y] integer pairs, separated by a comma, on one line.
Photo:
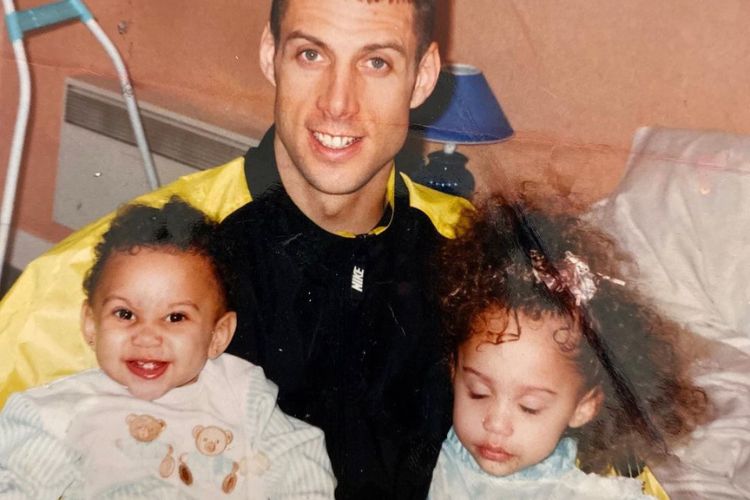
{"points": [[556, 362]]}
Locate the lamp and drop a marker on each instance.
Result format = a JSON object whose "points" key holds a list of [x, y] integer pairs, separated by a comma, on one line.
{"points": [[461, 110]]}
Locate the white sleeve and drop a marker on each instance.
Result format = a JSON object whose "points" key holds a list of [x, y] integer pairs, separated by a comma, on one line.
{"points": [[298, 458], [294, 452], [34, 464]]}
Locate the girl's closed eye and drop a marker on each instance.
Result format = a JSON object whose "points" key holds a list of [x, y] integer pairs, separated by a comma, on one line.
{"points": [[529, 410], [531, 406], [478, 395], [478, 392]]}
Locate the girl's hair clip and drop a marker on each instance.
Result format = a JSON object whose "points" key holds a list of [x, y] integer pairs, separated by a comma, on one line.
{"points": [[572, 274]]}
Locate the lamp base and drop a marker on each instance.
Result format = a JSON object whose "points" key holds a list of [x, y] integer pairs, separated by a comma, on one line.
{"points": [[447, 172]]}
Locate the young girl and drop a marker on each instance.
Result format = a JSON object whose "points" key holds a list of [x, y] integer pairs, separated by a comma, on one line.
{"points": [[166, 415], [555, 361]]}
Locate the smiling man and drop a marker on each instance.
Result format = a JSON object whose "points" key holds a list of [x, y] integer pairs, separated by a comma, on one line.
{"points": [[346, 75], [331, 257]]}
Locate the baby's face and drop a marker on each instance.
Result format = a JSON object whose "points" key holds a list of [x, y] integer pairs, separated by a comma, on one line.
{"points": [[514, 400], [154, 319]]}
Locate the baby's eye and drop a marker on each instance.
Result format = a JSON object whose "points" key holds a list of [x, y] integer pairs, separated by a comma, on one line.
{"points": [[122, 313], [176, 317]]}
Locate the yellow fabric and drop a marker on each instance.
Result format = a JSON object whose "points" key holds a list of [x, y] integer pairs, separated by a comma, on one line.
{"points": [[39, 316], [444, 210], [651, 486]]}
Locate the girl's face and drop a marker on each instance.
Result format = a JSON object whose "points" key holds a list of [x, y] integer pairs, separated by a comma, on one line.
{"points": [[514, 400], [155, 318]]}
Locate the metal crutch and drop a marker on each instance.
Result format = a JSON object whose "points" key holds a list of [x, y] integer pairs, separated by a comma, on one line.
{"points": [[20, 22]]}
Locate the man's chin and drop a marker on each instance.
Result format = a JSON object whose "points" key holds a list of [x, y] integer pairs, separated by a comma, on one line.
{"points": [[337, 188], [340, 179]]}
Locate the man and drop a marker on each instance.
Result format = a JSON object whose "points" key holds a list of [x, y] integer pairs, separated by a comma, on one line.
{"points": [[330, 256], [331, 262]]}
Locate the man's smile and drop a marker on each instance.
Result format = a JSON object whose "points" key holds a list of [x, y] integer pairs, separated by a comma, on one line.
{"points": [[335, 141]]}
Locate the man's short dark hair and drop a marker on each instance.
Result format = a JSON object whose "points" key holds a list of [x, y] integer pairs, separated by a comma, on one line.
{"points": [[424, 20]]}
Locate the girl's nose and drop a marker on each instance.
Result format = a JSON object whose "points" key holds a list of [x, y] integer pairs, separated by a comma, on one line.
{"points": [[498, 421]]}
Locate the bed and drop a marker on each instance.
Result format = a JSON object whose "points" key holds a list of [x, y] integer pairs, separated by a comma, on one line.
{"points": [[683, 210]]}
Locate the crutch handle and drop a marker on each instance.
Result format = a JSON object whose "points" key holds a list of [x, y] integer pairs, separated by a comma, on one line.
{"points": [[21, 21]]}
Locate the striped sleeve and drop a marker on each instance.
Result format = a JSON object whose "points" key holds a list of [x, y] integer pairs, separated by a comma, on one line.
{"points": [[298, 464], [34, 464]]}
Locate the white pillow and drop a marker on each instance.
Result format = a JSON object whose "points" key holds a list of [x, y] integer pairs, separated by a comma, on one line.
{"points": [[683, 210]]}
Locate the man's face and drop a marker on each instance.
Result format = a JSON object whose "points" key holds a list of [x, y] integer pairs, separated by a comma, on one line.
{"points": [[346, 76]]}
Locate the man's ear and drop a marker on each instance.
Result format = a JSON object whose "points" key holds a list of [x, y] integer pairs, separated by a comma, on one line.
{"points": [[267, 52], [222, 334], [588, 407], [88, 325], [427, 75]]}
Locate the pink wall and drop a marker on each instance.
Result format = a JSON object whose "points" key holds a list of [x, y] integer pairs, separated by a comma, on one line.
{"points": [[576, 78]]}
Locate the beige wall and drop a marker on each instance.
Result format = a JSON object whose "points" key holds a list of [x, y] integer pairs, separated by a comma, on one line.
{"points": [[575, 77]]}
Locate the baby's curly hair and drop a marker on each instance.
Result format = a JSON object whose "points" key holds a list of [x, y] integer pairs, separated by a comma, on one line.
{"points": [[629, 351], [176, 226]]}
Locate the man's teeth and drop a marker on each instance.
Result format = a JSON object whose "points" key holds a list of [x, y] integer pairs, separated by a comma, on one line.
{"points": [[334, 141]]}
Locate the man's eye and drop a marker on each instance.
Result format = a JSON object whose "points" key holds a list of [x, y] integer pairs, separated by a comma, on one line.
{"points": [[477, 395], [310, 55], [125, 314], [378, 63], [176, 317]]}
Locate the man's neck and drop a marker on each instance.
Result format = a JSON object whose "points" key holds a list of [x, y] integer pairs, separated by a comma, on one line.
{"points": [[355, 213]]}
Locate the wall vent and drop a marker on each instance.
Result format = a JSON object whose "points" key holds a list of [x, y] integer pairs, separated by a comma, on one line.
{"points": [[99, 164]]}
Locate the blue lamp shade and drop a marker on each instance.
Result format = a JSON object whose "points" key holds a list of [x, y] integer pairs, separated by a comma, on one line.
{"points": [[462, 110]]}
